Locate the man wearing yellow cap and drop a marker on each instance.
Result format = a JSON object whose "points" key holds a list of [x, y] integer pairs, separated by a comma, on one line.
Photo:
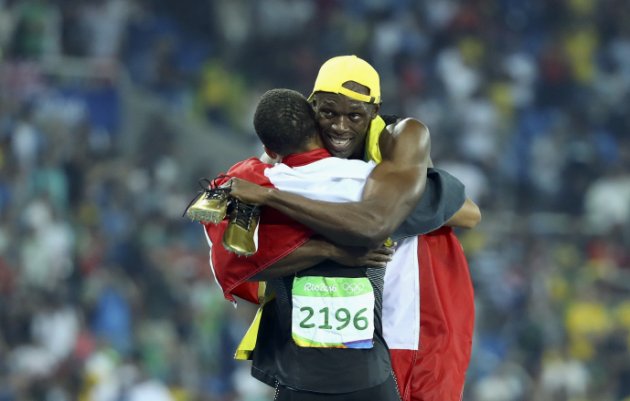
{"points": [[428, 310]]}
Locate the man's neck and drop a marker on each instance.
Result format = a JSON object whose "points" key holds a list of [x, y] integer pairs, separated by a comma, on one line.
{"points": [[359, 153], [303, 158], [312, 144]]}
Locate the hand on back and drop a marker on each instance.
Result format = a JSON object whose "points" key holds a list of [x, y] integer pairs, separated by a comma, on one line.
{"points": [[360, 256], [247, 191]]}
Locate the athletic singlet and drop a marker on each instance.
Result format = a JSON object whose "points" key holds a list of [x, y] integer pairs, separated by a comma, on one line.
{"points": [[279, 359]]}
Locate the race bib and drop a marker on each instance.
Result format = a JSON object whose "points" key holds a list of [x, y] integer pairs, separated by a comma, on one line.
{"points": [[333, 312]]}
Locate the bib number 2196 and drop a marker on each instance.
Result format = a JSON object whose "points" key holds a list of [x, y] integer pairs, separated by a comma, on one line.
{"points": [[333, 312]]}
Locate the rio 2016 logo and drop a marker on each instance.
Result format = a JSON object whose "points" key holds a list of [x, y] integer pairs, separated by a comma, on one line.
{"points": [[320, 287], [353, 287]]}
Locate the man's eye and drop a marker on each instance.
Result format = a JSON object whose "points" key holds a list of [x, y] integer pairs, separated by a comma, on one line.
{"points": [[355, 117], [326, 114]]}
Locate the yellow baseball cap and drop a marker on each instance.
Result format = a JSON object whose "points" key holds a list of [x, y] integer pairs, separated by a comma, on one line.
{"points": [[341, 69]]}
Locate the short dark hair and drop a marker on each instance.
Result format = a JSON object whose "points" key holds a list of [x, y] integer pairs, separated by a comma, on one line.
{"points": [[284, 121]]}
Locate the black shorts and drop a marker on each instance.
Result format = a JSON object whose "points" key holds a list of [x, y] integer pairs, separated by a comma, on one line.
{"points": [[387, 391]]}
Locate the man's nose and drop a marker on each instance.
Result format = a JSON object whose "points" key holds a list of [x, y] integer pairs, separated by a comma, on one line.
{"points": [[340, 124]]}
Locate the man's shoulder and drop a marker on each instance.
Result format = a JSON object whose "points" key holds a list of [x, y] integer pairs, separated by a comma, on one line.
{"points": [[251, 169], [408, 126], [406, 132], [252, 162]]}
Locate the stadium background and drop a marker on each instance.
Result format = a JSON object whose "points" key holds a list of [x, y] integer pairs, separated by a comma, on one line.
{"points": [[110, 110]]}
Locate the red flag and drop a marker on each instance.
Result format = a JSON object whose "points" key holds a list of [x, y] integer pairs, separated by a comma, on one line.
{"points": [[437, 370], [278, 236]]}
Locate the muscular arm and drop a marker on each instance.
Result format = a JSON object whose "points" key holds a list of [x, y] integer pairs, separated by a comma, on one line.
{"points": [[317, 250], [391, 192], [397, 183], [468, 216]]}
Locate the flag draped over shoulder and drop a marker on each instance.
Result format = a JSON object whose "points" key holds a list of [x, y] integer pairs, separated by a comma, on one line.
{"points": [[278, 236], [447, 323], [428, 306]]}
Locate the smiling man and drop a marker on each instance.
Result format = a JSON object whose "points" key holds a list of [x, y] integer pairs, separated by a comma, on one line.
{"points": [[428, 306], [320, 332], [346, 111]]}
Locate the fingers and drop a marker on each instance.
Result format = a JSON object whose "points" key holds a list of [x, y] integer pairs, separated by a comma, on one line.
{"points": [[238, 187], [228, 183], [378, 258], [385, 250], [246, 191]]}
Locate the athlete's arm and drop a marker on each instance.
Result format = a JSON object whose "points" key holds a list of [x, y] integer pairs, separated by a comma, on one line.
{"points": [[316, 250], [391, 191], [468, 216], [397, 183]]}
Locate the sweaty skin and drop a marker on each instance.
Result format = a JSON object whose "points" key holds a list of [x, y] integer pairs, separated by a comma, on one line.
{"points": [[468, 216], [317, 250], [343, 123], [392, 190]]}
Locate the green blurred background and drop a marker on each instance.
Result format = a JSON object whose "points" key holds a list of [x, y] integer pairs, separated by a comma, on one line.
{"points": [[111, 110]]}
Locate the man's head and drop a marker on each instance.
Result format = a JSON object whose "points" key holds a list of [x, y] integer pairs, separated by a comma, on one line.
{"points": [[285, 123], [346, 97]]}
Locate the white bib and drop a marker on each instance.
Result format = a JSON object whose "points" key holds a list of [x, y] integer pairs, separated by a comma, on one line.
{"points": [[333, 312]]}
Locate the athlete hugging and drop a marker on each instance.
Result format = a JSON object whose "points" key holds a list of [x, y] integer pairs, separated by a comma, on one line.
{"points": [[333, 322]]}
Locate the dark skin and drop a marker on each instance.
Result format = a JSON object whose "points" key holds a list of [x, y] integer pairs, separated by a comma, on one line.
{"points": [[344, 125], [331, 123], [392, 190], [353, 128], [318, 249]]}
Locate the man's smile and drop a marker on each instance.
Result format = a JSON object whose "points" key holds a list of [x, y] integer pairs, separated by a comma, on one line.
{"points": [[339, 143]]}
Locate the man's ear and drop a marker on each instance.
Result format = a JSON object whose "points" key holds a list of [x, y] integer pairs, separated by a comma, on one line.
{"points": [[375, 110], [272, 155]]}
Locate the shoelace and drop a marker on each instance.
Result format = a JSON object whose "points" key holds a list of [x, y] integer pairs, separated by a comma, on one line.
{"points": [[209, 189], [244, 213]]}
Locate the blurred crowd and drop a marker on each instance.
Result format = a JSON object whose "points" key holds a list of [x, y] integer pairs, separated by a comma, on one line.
{"points": [[105, 290]]}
